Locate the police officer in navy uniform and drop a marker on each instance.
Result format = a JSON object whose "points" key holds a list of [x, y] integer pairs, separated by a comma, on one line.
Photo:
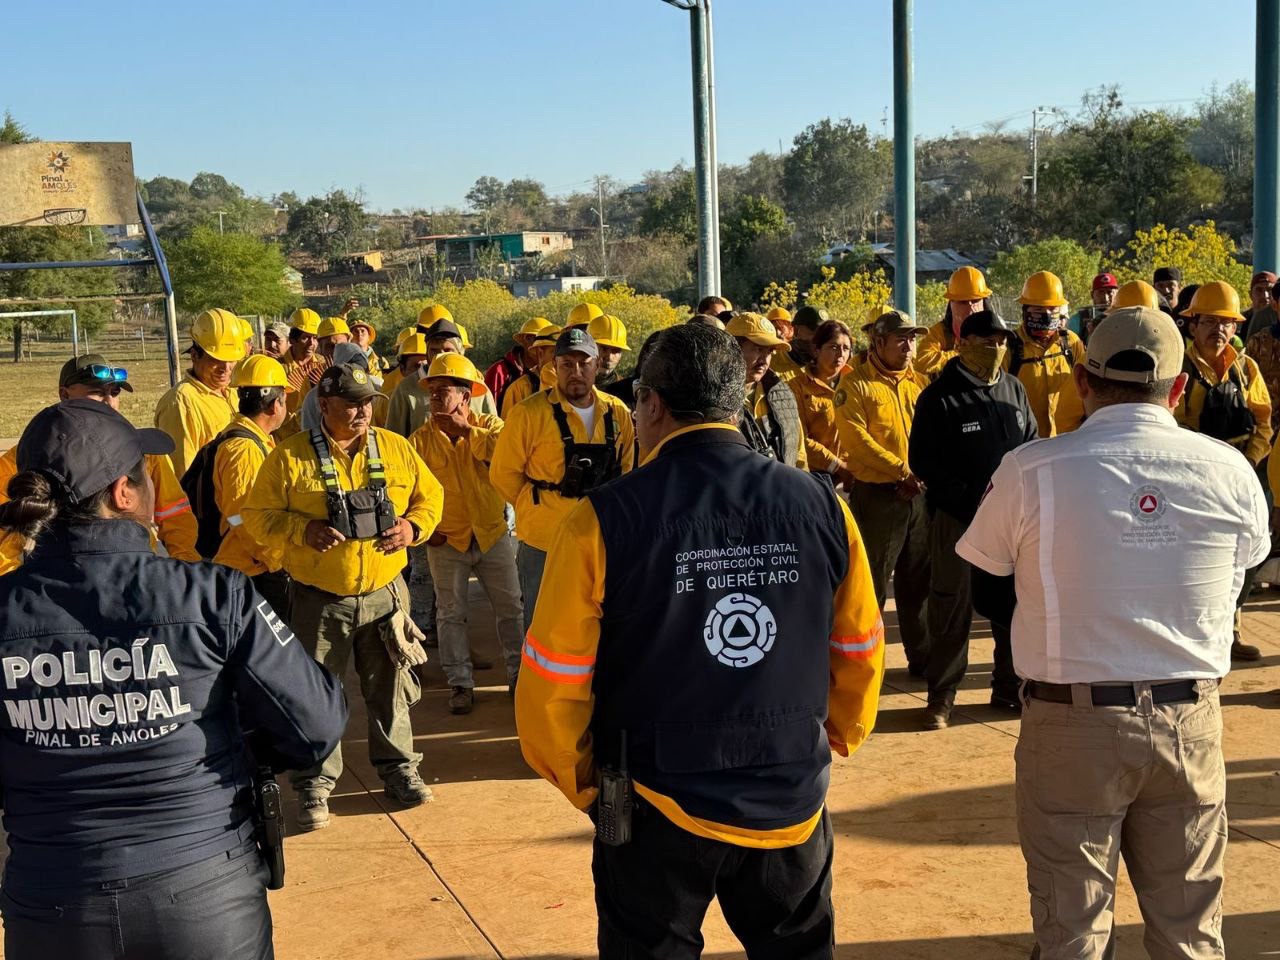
{"points": [[129, 684], [704, 681]]}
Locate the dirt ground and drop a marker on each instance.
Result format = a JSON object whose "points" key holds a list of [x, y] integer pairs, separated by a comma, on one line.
{"points": [[31, 385], [927, 865]]}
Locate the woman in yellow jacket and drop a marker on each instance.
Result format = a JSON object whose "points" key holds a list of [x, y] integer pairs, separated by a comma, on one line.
{"points": [[815, 388]]}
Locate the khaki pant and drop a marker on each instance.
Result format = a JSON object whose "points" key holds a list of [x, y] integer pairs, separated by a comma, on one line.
{"points": [[495, 568], [333, 629], [895, 533], [1147, 783]]}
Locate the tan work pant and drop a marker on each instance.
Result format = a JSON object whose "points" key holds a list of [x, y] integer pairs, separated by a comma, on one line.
{"points": [[1146, 782]]}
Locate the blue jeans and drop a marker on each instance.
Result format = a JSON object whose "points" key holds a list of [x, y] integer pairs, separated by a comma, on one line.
{"points": [[212, 910], [530, 561]]}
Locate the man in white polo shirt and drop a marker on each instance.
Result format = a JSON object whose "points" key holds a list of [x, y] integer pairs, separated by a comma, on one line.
{"points": [[1127, 541]]}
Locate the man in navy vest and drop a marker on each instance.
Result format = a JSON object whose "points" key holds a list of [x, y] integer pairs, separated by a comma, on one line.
{"points": [[704, 680]]}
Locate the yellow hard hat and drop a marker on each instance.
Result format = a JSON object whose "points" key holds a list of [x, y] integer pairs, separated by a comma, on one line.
{"points": [[331, 326], [455, 366], [414, 343], [1042, 289], [406, 332], [753, 327], [1215, 299], [306, 320], [608, 331], [246, 328], [968, 283], [466, 341], [373, 331], [259, 370], [1136, 293], [549, 334], [533, 326], [583, 314], [218, 333], [778, 313], [434, 312]]}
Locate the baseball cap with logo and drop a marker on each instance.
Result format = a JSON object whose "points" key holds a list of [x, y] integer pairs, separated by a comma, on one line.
{"points": [[93, 369], [1105, 281], [892, 321], [754, 327], [347, 381], [1135, 345], [577, 340], [84, 446]]}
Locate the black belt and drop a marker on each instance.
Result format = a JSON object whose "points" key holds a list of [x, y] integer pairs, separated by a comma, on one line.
{"points": [[1174, 691]]}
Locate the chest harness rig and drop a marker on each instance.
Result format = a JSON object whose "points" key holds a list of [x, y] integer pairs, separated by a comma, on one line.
{"points": [[356, 514], [586, 465]]}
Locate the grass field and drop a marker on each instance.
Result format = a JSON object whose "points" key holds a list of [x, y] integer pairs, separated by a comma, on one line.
{"points": [[29, 386]]}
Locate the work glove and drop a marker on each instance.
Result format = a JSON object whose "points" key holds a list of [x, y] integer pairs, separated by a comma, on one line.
{"points": [[403, 640]]}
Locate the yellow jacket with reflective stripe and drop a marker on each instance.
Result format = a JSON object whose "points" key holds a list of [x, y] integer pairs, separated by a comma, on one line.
{"points": [[874, 418], [234, 470], [1255, 395], [816, 401], [1046, 375], [530, 448], [192, 414], [936, 347], [173, 517], [289, 493], [554, 717], [472, 505], [175, 523]]}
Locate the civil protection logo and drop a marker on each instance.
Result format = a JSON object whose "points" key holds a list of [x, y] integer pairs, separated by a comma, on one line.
{"points": [[739, 630], [1148, 504]]}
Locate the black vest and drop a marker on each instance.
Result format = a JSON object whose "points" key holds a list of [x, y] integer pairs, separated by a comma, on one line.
{"points": [[715, 638]]}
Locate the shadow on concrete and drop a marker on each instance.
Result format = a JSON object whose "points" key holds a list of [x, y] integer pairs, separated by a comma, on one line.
{"points": [[1249, 935]]}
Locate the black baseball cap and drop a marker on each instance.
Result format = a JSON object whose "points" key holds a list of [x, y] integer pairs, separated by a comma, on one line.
{"points": [[577, 340], [441, 328], [95, 370], [84, 446], [1166, 273], [348, 381], [809, 317], [983, 323]]}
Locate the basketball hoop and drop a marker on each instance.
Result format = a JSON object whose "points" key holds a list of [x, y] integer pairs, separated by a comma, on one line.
{"points": [[64, 216]]}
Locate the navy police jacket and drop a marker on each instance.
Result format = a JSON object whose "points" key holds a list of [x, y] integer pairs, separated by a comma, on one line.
{"points": [[127, 680]]}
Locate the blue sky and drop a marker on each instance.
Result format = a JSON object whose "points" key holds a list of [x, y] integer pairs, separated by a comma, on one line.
{"points": [[412, 101]]}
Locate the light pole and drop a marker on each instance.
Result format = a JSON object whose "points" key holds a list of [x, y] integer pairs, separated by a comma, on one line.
{"points": [[704, 144], [904, 163], [1266, 154], [221, 214]]}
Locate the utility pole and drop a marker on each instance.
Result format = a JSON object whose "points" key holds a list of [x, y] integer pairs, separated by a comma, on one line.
{"points": [[904, 162], [704, 144], [1035, 153], [1266, 155], [599, 212], [221, 214]]}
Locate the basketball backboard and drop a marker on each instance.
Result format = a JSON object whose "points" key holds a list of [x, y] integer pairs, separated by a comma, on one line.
{"points": [[44, 183]]}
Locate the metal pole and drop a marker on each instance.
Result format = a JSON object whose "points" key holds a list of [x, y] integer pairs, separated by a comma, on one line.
{"points": [[75, 335], [904, 163], [714, 157], [702, 166], [604, 255], [1035, 155], [171, 335], [1266, 153]]}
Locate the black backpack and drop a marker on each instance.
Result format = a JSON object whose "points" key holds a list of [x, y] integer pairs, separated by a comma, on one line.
{"points": [[1016, 359], [1225, 414], [197, 483]]}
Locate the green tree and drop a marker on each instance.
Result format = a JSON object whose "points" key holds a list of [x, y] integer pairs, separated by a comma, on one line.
{"points": [[671, 207], [835, 175], [13, 132], [751, 218], [230, 270], [32, 244], [327, 226]]}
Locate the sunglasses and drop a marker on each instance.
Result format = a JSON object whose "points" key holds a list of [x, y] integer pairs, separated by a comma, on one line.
{"points": [[102, 373]]}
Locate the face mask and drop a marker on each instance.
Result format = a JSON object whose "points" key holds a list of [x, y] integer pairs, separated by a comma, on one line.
{"points": [[983, 360], [1043, 322]]}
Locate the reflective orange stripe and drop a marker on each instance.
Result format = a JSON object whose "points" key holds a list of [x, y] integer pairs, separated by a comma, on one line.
{"points": [[172, 509], [556, 667], [859, 647]]}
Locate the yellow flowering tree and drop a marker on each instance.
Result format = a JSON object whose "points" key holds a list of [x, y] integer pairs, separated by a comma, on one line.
{"points": [[1201, 252]]}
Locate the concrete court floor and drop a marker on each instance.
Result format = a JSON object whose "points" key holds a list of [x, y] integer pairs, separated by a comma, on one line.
{"points": [[927, 865]]}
